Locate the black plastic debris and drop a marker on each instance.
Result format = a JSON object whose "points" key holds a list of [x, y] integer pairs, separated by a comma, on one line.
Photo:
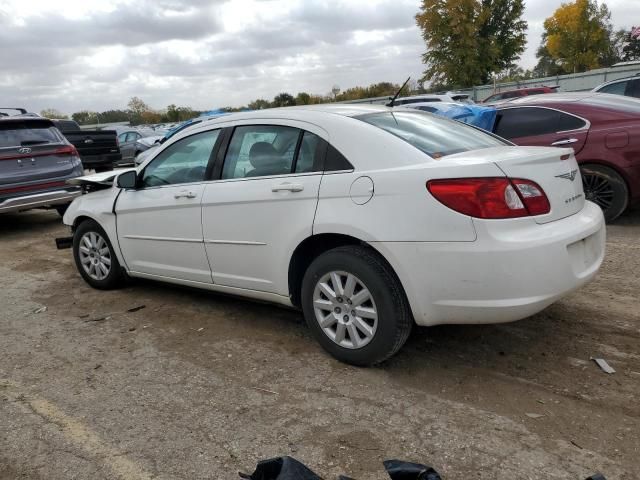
{"points": [[281, 468], [399, 470], [288, 468]]}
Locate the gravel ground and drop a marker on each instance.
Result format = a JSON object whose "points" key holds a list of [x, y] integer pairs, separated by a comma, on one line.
{"points": [[198, 386]]}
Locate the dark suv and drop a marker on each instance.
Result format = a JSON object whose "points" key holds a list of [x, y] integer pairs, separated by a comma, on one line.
{"points": [[35, 163]]}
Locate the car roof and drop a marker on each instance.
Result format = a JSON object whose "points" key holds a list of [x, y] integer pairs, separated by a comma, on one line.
{"points": [[549, 98]]}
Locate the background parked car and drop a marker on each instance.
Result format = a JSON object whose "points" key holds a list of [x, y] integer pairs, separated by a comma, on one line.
{"points": [[603, 129], [127, 141], [477, 115], [35, 162], [98, 149], [629, 87], [450, 97], [520, 92]]}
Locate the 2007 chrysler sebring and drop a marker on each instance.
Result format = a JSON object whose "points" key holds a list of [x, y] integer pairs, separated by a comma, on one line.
{"points": [[367, 218]]}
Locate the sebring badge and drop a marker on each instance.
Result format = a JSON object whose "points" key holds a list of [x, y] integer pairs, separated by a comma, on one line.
{"points": [[569, 175]]}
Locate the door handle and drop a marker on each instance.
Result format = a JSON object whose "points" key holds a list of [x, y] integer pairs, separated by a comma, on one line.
{"points": [[564, 141], [288, 187], [185, 194]]}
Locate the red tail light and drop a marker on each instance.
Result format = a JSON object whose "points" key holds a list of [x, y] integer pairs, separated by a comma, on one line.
{"points": [[66, 150], [491, 197]]}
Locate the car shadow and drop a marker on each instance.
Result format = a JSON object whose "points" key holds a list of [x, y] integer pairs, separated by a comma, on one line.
{"points": [[630, 217], [37, 221]]}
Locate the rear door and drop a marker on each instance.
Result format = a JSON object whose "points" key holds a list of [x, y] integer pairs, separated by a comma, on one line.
{"points": [[128, 144], [540, 126], [32, 150], [262, 205]]}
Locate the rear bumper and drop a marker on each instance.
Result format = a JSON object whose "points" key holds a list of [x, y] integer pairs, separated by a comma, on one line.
{"points": [[513, 270], [39, 199]]}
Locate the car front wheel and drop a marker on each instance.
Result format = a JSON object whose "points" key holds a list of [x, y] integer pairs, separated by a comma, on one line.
{"points": [[355, 306], [95, 258]]}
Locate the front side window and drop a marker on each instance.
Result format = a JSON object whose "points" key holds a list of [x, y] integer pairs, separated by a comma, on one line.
{"points": [[182, 162], [122, 137], [260, 150], [435, 136]]}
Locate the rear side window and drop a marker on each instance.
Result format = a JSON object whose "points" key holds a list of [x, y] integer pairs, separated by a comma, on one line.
{"points": [[435, 136], [614, 88], [25, 134], [531, 122]]}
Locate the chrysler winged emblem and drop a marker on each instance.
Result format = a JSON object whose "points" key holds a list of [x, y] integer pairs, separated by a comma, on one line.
{"points": [[569, 175], [24, 150]]}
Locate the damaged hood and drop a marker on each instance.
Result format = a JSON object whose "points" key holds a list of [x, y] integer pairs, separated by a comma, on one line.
{"points": [[103, 178]]}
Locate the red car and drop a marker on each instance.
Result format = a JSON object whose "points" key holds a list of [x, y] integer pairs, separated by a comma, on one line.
{"points": [[521, 92], [603, 129]]}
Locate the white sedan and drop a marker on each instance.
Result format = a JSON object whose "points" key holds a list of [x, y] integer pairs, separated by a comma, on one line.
{"points": [[368, 219]]}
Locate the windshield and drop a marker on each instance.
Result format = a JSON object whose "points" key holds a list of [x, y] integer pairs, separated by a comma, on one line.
{"points": [[435, 136]]}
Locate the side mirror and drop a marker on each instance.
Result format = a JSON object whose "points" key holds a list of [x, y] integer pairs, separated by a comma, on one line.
{"points": [[127, 180]]}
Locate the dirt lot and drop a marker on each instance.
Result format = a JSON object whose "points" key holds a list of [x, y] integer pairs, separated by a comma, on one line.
{"points": [[197, 385]]}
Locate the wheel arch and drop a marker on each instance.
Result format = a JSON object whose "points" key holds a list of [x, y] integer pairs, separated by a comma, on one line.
{"points": [[311, 247]]}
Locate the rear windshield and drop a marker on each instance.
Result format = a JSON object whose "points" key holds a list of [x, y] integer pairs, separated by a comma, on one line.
{"points": [[435, 136], [24, 134]]}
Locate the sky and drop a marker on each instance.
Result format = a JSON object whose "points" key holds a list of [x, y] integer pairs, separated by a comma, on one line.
{"points": [[76, 55]]}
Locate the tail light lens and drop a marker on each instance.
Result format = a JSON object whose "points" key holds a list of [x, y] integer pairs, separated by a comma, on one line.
{"points": [[490, 197], [67, 150]]}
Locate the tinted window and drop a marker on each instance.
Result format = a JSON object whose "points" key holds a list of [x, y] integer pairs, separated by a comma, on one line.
{"points": [[260, 150], [569, 122], [633, 89], [433, 135], [24, 134], [335, 161], [614, 88], [182, 162], [307, 160], [525, 122]]}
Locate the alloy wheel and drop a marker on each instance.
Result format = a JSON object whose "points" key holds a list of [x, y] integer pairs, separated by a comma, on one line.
{"points": [[95, 256], [345, 309], [598, 189]]}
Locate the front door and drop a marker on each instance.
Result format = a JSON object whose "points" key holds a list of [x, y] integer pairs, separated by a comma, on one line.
{"points": [[262, 207], [159, 223]]}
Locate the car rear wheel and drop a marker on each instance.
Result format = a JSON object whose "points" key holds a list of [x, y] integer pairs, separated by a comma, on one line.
{"points": [[95, 258], [606, 188], [355, 306]]}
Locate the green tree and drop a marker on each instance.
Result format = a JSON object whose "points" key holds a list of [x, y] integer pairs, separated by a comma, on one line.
{"points": [[259, 104], [84, 117], [468, 40], [284, 100], [303, 98], [626, 46], [578, 36], [53, 113], [137, 106]]}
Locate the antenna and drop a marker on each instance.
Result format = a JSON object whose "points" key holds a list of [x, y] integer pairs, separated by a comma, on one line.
{"points": [[390, 104]]}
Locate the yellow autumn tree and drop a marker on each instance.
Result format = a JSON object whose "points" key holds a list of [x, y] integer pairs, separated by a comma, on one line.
{"points": [[578, 35]]}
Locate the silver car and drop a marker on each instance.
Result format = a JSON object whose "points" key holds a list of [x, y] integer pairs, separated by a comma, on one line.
{"points": [[35, 163]]}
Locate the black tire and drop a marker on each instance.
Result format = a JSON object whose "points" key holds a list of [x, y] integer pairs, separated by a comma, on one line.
{"points": [[108, 168], [394, 320], [62, 209], [115, 277], [606, 188]]}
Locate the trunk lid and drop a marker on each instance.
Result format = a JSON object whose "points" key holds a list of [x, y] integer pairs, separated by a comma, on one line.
{"points": [[555, 170]]}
